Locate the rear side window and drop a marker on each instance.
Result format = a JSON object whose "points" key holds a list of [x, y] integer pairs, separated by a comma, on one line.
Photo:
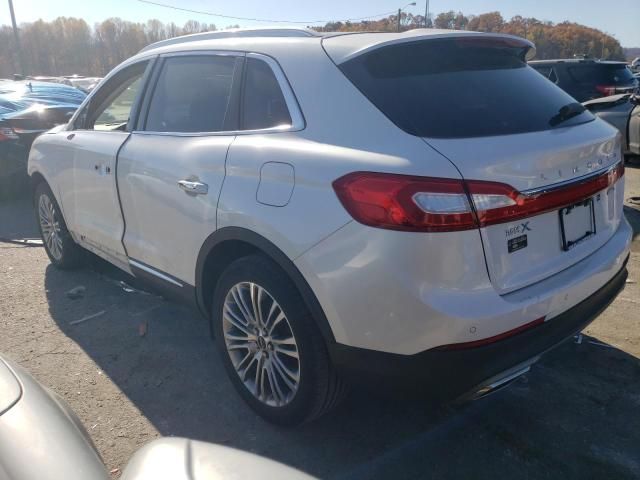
{"points": [[192, 94], [601, 74], [455, 88], [263, 105]]}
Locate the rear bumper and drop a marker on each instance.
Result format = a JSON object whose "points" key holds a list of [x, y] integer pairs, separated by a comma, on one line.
{"points": [[456, 372]]}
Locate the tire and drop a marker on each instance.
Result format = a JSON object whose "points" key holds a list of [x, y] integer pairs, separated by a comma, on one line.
{"points": [[313, 388], [61, 249]]}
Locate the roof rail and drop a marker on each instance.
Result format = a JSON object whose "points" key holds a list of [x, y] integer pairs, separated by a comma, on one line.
{"points": [[237, 33]]}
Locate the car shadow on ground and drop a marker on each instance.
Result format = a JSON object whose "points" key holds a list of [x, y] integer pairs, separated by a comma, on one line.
{"points": [[17, 220], [571, 417]]}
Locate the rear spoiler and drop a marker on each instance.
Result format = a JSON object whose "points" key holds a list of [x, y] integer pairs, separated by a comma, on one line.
{"points": [[343, 51]]}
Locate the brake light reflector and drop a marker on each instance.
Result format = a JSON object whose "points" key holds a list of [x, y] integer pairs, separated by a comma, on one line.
{"points": [[427, 204], [494, 339]]}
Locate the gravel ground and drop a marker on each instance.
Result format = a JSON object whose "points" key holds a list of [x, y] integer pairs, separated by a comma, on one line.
{"points": [[142, 368]]}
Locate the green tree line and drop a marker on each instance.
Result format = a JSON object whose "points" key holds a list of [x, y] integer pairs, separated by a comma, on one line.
{"points": [[69, 45]]}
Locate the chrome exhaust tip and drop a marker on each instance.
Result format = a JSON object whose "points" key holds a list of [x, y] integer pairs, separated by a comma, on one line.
{"points": [[497, 382]]}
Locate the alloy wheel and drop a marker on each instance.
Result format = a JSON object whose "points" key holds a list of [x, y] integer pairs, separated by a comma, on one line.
{"points": [[50, 226], [261, 344]]}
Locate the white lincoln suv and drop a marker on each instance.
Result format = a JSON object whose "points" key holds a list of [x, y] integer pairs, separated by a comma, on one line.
{"points": [[420, 205]]}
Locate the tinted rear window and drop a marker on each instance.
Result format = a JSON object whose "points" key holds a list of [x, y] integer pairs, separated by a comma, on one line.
{"points": [[264, 105], [601, 74], [452, 89]]}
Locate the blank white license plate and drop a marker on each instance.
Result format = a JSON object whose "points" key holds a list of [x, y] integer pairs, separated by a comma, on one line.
{"points": [[577, 223]]}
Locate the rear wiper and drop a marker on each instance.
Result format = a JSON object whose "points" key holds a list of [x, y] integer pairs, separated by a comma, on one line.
{"points": [[567, 112]]}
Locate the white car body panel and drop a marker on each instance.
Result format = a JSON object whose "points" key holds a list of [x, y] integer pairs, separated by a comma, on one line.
{"points": [[94, 210], [166, 226], [434, 290]]}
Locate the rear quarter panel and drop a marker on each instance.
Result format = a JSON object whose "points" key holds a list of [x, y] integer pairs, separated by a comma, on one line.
{"points": [[343, 133]]}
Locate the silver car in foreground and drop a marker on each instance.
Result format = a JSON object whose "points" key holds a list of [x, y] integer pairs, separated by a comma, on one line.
{"points": [[41, 438]]}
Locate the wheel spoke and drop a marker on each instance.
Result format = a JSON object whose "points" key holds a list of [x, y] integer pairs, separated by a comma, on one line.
{"points": [[244, 365], [256, 293], [290, 353], [275, 386], [275, 323], [234, 320], [284, 341], [58, 242], [259, 378], [287, 376], [240, 303], [236, 338]]}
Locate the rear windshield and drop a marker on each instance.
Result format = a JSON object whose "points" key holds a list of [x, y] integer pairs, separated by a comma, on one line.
{"points": [[601, 74], [448, 88]]}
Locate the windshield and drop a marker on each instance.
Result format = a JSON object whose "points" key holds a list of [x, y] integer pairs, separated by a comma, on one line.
{"points": [[447, 88]]}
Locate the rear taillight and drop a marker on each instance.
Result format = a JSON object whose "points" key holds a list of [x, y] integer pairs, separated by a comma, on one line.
{"points": [[402, 202], [606, 90], [7, 133], [426, 204], [543, 200]]}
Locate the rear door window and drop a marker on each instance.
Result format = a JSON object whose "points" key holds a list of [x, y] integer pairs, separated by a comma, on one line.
{"points": [[453, 88], [192, 94], [263, 104]]}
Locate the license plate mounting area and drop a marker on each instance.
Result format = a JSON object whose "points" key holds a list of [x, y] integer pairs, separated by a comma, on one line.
{"points": [[577, 223]]}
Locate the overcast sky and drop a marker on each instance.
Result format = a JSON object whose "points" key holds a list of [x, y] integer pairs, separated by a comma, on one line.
{"points": [[620, 17]]}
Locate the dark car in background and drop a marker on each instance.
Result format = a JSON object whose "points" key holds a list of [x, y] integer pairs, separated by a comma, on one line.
{"points": [[27, 109], [586, 78]]}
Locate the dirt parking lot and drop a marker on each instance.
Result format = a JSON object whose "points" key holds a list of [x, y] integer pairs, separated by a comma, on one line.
{"points": [[142, 367]]}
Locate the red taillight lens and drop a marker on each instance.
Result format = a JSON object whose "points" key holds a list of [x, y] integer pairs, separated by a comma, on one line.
{"points": [[606, 89], [403, 202], [426, 204], [535, 203]]}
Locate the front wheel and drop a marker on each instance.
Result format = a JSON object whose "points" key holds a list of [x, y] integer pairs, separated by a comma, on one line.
{"points": [[63, 252], [270, 345]]}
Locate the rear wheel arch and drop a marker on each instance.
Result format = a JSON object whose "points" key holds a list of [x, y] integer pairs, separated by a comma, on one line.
{"points": [[228, 244]]}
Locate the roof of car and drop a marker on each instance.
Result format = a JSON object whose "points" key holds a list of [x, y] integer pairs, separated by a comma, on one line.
{"points": [[258, 32], [341, 46], [577, 60]]}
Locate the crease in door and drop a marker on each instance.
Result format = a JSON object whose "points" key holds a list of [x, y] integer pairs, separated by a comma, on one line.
{"points": [[224, 178], [115, 172]]}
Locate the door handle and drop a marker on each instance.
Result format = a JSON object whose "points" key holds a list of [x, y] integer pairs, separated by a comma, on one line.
{"points": [[195, 188]]}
